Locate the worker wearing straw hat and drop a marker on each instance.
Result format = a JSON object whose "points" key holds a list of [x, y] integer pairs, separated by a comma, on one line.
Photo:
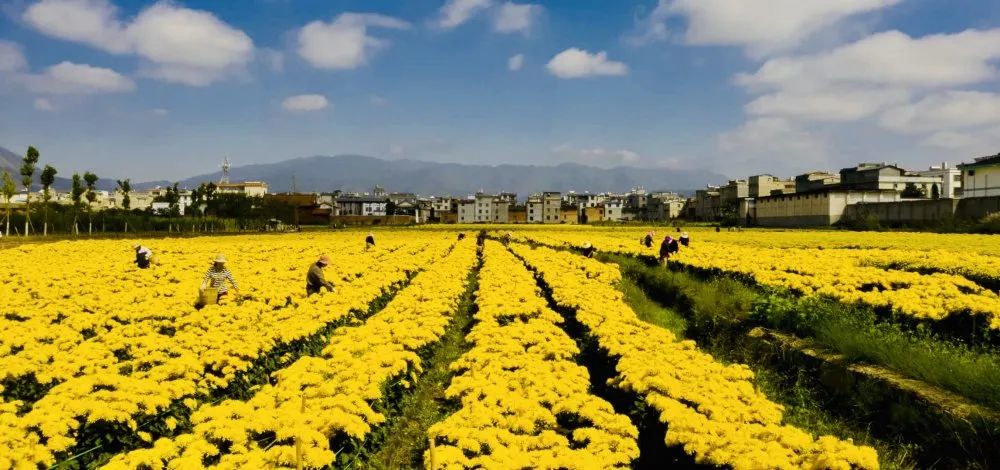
{"points": [[315, 280], [588, 249], [217, 278], [143, 256]]}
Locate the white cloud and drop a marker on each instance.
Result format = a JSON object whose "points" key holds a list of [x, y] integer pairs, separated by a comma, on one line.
{"points": [[760, 26], [188, 46], [578, 63], [92, 22], [176, 44], [516, 18], [515, 62], [944, 111], [888, 58], [160, 111], [827, 105], [377, 100], [598, 156], [770, 144], [11, 57], [69, 78], [982, 142], [950, 140], [455, 12], [305, 103], [43, 104], [344, 43]]}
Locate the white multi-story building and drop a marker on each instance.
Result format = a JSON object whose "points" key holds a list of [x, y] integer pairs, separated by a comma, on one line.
{"points": [[951, 179], [612, 209], [534, 207], [362, 205]]}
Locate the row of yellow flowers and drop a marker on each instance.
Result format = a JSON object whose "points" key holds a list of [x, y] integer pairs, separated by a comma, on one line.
{"points": [[172, 352], [81, 301], [316, 398], [517, 382], [711, 409], [850, 275]]}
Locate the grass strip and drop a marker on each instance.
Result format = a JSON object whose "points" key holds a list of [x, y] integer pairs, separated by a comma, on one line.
{"points": [[720, 311], [797, 394]]}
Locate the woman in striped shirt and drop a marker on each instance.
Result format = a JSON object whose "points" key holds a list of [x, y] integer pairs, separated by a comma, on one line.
{"points": [[218, 276]]}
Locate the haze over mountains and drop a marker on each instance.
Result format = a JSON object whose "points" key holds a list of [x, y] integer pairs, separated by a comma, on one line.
{"points": [[361, 173]]}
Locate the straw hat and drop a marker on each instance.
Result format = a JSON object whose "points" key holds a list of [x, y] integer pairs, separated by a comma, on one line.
{"points": [[324, 260], [220, 258], [586, 244], [684, 234]]}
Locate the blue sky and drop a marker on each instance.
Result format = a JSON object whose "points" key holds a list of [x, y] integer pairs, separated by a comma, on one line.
{"points": [[163, 90]]}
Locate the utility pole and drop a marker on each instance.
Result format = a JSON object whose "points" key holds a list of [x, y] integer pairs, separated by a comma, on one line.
{"points": [[295, 206]]}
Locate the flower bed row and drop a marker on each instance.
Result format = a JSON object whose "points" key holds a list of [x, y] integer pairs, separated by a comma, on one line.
{"points": [[524, 401], [202, 353], [712, 410], [318, 399]]}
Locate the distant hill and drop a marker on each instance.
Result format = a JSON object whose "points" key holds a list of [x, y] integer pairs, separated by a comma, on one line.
{"points": [[361, 173], [10, 162]]}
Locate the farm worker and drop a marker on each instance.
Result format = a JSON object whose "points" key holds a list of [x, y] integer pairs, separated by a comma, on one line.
{"points": [[648, 239], [461, 236], [218, 276], [684, 239], [506, 238], [667, 248], [369, 241], [717, 229], [315, 281], [143, 256], [588, 250]]}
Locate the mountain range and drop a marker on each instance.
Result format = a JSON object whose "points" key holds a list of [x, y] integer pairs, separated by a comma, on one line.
{"points": [[361, 173]]}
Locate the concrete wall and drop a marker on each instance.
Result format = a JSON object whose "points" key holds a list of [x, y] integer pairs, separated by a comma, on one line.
{"points": [[927, 210], [818, 208], [371, 220], [924, 210]]}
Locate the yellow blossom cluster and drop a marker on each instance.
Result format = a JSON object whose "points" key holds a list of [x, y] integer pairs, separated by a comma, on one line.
{"points": [[519, 385], [928, 284], [317, 398], [116, 342], [711, 409]]}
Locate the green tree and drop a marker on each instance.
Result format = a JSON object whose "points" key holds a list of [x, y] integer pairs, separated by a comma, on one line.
{"points": [[76, 193], [91, 180], [935, 192], [911, 191], [8, 188], [28, 165], [125, 187], [48, 177]]}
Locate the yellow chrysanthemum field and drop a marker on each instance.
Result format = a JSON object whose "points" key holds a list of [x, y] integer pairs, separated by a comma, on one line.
{"points": [[508, 350]]}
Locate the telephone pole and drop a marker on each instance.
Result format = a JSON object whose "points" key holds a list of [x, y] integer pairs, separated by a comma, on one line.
{"points": [[295, 205]]}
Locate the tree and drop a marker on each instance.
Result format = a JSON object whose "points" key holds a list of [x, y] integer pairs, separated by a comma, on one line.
{"points": [[125, 187], [47, 177], [8, 188], [76, 194], [91, 180], [911, 191], [935, 192], [28, 177]]}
